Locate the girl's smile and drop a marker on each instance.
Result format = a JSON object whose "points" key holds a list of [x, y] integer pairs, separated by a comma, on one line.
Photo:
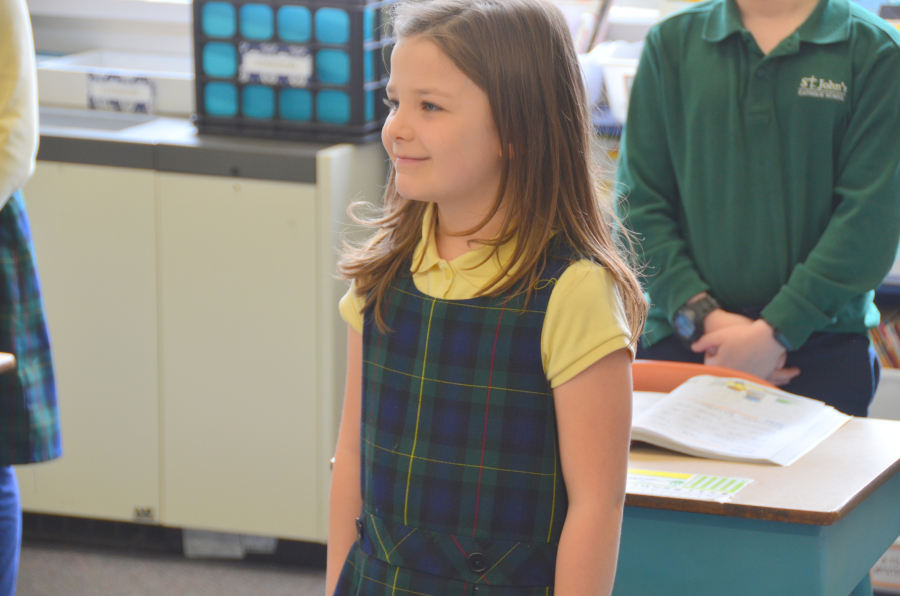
{"points": [[440, 133], [402, 160]]}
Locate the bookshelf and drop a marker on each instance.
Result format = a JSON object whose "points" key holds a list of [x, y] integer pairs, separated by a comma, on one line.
{"points": [[886, 403]]}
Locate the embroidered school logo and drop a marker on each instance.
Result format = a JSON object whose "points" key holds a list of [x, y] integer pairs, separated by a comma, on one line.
{"points": [[815, 87]]}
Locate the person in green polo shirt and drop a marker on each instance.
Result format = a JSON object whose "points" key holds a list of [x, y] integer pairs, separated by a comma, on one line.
{"points": [[761, 164]]}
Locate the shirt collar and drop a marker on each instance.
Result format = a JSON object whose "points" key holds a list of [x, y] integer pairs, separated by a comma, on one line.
{"points": [[829, 22], [723, 20], [423, 262], [478, 266]]}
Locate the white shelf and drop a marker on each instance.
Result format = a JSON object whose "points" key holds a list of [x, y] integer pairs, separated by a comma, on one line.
{"points": [[887, 399], [162, 11], [65, 81]]}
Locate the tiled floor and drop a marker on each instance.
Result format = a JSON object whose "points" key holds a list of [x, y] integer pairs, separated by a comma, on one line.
{"points": [[67, 570]]}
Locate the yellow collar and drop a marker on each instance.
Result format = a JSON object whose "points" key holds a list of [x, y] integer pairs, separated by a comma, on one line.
{"points": [[472, 265]]}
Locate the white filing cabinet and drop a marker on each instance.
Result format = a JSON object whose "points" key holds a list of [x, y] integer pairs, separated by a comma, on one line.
{"points": [[197, 343], [94, 233], [238, 323]]}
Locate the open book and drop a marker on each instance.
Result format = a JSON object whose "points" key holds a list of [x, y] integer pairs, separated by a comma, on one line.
{"points": [[733, 419]]}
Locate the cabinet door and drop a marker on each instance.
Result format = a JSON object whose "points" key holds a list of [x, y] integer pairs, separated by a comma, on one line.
{"points": [[94, 232], [238, 273]]}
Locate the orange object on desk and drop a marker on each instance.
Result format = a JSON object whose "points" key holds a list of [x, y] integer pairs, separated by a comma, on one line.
{"points": [[7, 362], [664, 376]]}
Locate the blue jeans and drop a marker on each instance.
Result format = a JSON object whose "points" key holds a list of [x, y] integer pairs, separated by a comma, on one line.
{"points": [[10, 530]]}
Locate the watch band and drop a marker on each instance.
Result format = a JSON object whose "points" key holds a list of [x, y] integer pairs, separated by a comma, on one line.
{"points": [[780, 338], [697, 312], [704, 306]]}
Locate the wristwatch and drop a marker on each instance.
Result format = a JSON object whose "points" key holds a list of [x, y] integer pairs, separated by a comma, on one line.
{"points": [[779, 337], [688, 321]]}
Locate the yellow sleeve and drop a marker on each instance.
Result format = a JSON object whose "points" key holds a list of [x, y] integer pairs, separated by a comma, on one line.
{"points": [[351, 308], [18, 98], [585, 321]]}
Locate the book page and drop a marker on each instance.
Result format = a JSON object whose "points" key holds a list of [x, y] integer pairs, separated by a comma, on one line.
{"points": [[730, 417], [644, 400], [824, 425]]}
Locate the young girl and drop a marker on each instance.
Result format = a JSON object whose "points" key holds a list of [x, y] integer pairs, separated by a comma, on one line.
{"points": [[484, 439]]}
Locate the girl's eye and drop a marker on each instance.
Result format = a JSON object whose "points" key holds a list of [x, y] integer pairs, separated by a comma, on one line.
{"points": [[430, 107], [391, 104]]}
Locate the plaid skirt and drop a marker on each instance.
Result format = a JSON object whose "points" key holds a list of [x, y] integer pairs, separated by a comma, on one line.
{"points": [[29, 418]]}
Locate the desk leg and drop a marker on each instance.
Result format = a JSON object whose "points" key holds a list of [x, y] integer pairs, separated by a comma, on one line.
{"points": [[864, 588]]}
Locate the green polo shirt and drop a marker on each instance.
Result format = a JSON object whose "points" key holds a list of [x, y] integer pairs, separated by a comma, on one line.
{"points": [[771, 181]]}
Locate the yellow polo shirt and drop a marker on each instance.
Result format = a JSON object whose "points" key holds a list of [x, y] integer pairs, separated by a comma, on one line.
{"points": [[18, 98], [585, 320]]}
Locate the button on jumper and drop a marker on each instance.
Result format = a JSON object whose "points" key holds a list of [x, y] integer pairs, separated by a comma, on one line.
{"points": [[477, 563]]}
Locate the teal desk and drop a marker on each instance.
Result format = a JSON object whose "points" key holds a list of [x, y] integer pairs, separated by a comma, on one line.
{"points": [[813, 528]]}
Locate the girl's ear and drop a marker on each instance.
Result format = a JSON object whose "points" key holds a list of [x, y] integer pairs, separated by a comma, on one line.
{"points": [[512, 153]]}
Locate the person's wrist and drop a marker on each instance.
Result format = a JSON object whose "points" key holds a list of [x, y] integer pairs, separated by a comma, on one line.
{"points": [[772, 333], [711, 321], [697, 298]]}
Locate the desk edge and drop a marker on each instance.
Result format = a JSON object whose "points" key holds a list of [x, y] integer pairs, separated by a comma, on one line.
{"points": [[739, 510]]}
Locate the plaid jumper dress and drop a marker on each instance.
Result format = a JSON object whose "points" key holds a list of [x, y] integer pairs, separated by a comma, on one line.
{"points": [[461, 482], [29, 420]]}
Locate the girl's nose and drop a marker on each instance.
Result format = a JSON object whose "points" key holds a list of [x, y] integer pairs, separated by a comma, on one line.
{"points": [[397, 126]]}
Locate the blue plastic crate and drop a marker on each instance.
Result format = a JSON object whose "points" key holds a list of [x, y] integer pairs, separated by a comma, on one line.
{"points": [[310, 71]]}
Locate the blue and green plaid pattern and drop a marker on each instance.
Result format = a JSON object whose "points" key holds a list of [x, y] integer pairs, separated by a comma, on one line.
{"points": [[513, 564], [368, 576], [29, 421], [459, 447]]}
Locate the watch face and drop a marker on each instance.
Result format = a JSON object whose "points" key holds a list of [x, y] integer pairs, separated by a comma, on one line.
{"points": [[684, 325]]}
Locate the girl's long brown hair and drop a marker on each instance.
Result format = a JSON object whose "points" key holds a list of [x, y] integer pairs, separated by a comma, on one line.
{"points": [[520, 52]]}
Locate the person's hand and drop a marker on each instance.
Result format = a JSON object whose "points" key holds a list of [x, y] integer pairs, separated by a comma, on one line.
{"points": [[783, 376], [720, 319], [751, 348]]}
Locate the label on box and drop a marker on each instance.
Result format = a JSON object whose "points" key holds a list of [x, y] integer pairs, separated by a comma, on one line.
{"points": [[275, 64], [886, 572], [120, 94]]}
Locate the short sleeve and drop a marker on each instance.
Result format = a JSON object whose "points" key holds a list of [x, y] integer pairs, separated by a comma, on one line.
{"points": [[585, 321], [18, 98], [351, 308]]}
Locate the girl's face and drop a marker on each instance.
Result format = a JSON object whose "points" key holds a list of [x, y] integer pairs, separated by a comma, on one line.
{"points": [[440, 132]]}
